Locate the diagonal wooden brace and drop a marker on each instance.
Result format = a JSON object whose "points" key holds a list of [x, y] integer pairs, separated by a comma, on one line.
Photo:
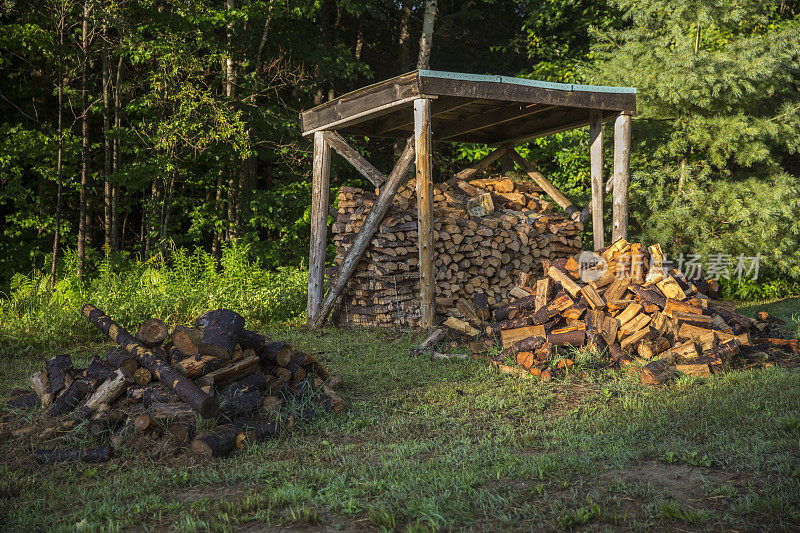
{"points": [[545, 184], [363, 166], [371, 224]]}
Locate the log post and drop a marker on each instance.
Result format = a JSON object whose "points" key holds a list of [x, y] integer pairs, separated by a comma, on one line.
{"points": [[422, 141], [368, 229], [596, 161], [622, 153], [319, 229]]}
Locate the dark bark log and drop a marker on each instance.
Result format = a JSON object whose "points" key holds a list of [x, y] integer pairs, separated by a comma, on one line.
{"points": [[230, 373], [107, 422], [99, 370], [223, 329], [481, 304], [252, 431], [254, 382], [183, 387], [119, 358], [142, 376], [24, 402], [100, 454], [241, 404], [69, 399], [151, 393], [522, 304], [57, 368], [217, 443]]}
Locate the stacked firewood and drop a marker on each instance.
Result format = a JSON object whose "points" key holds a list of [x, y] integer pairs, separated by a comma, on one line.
{"points": [[473, 253], [249, 385], [628, 305]]}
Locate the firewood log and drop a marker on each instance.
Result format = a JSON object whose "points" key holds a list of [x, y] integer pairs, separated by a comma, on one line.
{"points": [[183, 387], [57, 368], [434, 337], [481, 304], [576, 338], [460, 326], [152, 332], [69, 400], [149, 394], [142, 376], [254, 382], [252, 431], [223, 328], [217, 442], [41, 387], [119, 358], [98, 370], [108, 392], [198, 365], [230, 373], [187, 339], [23, 402], [181, 432], [99, 454], [241, 404], [652, 348], [655, 373], [106, 422], [565, 280]]}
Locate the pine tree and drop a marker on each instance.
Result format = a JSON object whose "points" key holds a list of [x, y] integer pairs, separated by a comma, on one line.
{"points": [[718, 125]]}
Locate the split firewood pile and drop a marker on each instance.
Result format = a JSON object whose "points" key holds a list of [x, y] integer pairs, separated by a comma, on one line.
{"points": [[486, 233], [628, 304], [250, 386]]}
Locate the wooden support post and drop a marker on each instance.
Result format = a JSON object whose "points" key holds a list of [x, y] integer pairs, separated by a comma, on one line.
{"points": [[546, 186], [422, 143], [596, 161], [508, 163], [319, 228], [370, 226], [622, 154]]}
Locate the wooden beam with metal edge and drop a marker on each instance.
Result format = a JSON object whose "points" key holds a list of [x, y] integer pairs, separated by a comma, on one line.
{"points": [[368, 229], [532, 94], [364, 167]]}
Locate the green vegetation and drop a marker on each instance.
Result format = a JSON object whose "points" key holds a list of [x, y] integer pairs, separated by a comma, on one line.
{"points": [[182, 152], [174, 285], [427, 445]]}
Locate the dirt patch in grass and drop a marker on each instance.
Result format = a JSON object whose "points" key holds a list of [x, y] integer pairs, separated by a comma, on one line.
{"points": [[680, 482]]}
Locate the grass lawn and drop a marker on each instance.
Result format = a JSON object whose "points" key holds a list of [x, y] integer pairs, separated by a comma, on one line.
{"points": [[429, 445]]}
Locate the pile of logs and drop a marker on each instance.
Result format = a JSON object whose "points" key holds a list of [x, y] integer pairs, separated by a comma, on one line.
{"points": [[474, 254], [158, 385], [629, 306]]}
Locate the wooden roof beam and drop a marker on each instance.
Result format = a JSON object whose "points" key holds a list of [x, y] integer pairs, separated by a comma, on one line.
{"points": [[490, 119], [440, 107]]}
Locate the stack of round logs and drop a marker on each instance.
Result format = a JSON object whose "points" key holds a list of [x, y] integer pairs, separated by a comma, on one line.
{"points": [[473, 254], [160, 385]]}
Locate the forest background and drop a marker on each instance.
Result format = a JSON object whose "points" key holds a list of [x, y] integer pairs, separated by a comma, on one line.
{"points": [[150, 135]]}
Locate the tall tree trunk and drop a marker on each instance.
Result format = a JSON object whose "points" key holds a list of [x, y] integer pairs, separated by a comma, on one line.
{"points": [[404, 57], [60, 157], [234, 184], [82, 220], [116, 237], [216, 242], [108, 150], [166, 207], [426, 40]]}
